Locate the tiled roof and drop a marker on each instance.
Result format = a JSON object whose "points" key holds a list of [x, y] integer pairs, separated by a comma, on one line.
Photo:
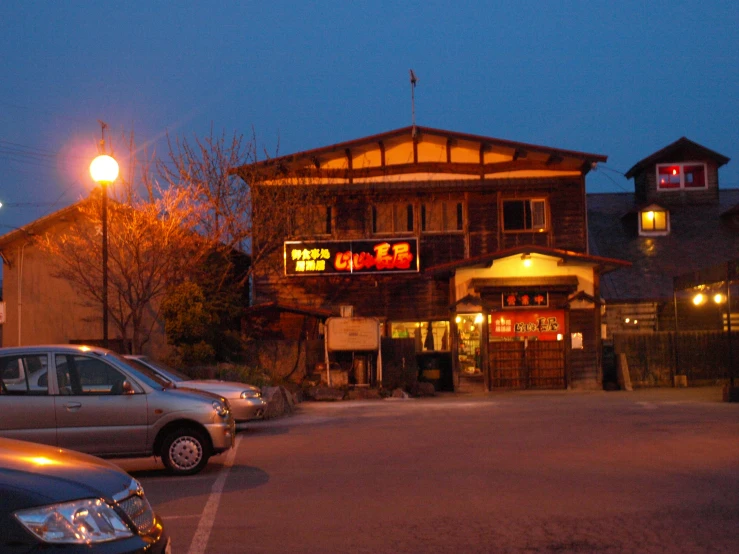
{"points": [[698, 238]]}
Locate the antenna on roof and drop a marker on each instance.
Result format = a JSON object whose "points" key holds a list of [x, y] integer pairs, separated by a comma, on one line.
{"points": [[413, 102], [103, 126]]}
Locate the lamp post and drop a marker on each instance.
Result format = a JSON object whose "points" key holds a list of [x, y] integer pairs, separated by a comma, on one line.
{"points": [[104, 170]]}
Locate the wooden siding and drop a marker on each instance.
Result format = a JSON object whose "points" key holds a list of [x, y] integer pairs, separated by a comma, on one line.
{"points": [[411, 297], [441, 248]]}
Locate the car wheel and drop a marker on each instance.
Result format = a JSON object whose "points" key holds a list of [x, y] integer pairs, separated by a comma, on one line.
{"points": [[185, 451]]}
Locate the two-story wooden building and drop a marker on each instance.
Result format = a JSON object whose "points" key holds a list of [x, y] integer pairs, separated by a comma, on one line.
{"points": [[474, 247]]}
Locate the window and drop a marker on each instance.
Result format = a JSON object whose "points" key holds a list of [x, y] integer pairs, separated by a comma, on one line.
{"points": [[654, 221], [392, 218], [312, 221], [524, 215], [429, 335], [25, 375], [681, 176], [441, 216], [82, 375]]}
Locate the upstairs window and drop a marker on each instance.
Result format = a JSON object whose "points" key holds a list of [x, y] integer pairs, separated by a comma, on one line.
{"points": [[311, 221], [392, 218], [525, 215], [654, 221], [681, 176], [441, 216]]}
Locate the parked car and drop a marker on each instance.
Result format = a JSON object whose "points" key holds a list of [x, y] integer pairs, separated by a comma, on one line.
{"points": [[95, 401], [60, 500], [246, 400]]}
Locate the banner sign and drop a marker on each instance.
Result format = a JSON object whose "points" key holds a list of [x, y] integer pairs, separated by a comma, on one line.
{"points": [[349, 257], [525, 299], [543, 324]]}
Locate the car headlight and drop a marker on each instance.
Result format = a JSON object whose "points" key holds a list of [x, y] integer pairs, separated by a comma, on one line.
{"points": [[220, 408], [251, 394], [79, 522]]}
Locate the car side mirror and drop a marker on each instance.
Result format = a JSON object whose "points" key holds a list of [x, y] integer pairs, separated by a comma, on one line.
{"points": [[127, 388]]}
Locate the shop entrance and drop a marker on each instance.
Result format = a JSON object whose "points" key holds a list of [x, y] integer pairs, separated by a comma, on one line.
{"points": [[527, 364]]}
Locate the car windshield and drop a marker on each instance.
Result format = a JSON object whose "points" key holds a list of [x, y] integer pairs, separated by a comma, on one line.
{"points": [[169, 372], [146, 374]]}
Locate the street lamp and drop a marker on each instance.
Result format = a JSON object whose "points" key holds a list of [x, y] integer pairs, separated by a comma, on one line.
{"points": [[104, 170]]}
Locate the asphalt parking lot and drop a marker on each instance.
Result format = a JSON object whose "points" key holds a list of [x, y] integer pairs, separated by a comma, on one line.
{"points": [[646, 471]]}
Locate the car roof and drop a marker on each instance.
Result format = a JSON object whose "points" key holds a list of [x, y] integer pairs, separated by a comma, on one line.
{"points": [[68, 348]]}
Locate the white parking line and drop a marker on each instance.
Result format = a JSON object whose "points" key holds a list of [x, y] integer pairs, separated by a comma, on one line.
{"points": [[202, 533]]}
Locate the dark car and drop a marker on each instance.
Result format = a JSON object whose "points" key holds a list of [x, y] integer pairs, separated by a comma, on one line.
{"points": [[56, 500]]}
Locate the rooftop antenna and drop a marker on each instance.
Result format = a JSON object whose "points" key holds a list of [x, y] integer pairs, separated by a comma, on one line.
{"points": [[413, 103], [101, 146]]}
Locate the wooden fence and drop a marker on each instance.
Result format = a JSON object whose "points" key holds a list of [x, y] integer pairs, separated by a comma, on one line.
{"points": [[655, 358]]}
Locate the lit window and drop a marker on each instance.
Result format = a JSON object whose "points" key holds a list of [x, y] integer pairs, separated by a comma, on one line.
{"points": [[441, 216], [312, 221], [392, 218], [678, 176], [654, 221], [524, 215]]}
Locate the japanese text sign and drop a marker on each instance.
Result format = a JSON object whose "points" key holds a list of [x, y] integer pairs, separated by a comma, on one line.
{"points": [[544, 324], [349, 257], [525, 299]]}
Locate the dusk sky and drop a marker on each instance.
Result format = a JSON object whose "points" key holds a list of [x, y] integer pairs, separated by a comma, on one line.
{"points": [[621, 78]]}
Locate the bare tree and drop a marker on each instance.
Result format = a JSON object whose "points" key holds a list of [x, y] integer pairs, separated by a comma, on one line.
{"points": [[151, 247]]}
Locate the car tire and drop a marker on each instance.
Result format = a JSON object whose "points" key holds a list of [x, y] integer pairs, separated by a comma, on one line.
{"points": [[185, 451]]}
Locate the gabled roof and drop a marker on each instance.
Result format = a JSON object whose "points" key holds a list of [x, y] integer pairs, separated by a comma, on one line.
{"points": [[511, 156], [607, 264], [682, 149], [41, 224], [698, 238]]}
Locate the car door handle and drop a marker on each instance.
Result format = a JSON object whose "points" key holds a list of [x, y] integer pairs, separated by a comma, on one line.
{"points": [[73, 406]]}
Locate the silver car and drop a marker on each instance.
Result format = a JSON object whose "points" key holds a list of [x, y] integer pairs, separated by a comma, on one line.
{"points": [[246, 400], [93, 400]]}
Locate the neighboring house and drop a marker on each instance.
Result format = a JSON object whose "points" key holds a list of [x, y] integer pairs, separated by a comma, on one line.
{"points": [[677, 221], [472, 249], [41, 308]]}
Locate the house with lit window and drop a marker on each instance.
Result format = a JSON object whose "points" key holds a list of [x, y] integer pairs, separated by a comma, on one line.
{"points": [[470, 251], [677, 221]]}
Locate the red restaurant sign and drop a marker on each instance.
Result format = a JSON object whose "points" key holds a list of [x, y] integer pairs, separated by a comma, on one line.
{"points": [[543, 324], [346, 257]]}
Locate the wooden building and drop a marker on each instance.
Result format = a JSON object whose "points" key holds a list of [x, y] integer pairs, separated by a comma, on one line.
{"points": [[677, 220], [475, 248]]}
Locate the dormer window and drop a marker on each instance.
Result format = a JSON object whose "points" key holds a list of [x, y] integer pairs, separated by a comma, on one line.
{"points": [[681, 176], [654, 220]]}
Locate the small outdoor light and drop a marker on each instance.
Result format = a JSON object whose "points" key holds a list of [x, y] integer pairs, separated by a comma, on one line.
{"points": [[719, 298], [699, 299], [104, 171], [526, 260]]}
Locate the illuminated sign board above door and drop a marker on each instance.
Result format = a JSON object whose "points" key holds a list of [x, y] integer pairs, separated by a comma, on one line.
{"points": [[351, 257]]}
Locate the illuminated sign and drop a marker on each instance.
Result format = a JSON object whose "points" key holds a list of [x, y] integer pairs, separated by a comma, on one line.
{"points": [[525, 299], [349, 257], [543, 324]]}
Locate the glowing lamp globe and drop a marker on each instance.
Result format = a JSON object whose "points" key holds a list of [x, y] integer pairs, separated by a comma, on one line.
{"points": [[104, 169]]}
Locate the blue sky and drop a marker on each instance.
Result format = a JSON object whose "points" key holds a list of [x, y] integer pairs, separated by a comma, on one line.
{"points": [[617, 78]]}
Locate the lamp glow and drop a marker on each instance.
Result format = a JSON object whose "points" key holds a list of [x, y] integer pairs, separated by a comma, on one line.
{"points": [[698, 299], [719, 298], [104, 169]]}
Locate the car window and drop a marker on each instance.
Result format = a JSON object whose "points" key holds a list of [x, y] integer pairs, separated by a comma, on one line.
{"points": [[85, 375], [24, 374]]}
